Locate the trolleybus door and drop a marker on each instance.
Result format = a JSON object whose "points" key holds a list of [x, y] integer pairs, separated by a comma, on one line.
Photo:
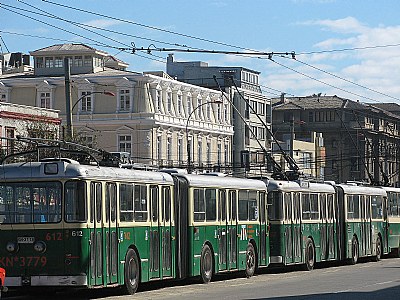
{"points": [[332, 237], [288, 228], [366, 226], [222, 231], [166, 246], [110, 233], [262, 215], [96, 235], [297, 253], [232, 231], [324, 227], [154, 251]]}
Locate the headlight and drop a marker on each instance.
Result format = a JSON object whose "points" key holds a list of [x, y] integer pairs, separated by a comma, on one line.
{"points": [[39, 246], [12, 247]]}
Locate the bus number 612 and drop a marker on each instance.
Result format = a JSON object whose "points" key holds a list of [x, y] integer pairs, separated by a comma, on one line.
{"points": [[77, 233]]}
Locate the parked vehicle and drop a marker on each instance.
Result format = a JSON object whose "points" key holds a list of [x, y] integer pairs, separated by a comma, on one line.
{"points": [[2, 278]]}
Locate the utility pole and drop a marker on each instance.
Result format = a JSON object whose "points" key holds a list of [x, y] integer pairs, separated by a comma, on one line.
{"points": [[291, 153], [68, 111]]}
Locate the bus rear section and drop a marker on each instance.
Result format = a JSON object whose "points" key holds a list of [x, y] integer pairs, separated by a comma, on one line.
{"points": [[393, 220], [303, 223], [223, 225], [364, 221]]}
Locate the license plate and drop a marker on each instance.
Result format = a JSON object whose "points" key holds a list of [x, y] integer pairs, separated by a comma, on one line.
{"points": [[25, 239]]}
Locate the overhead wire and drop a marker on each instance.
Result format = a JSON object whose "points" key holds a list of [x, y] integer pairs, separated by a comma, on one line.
{"points": [[347, 80], [210, 41], [320, 81], [62, 29]]}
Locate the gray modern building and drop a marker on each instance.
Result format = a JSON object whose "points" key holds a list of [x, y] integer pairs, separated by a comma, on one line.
{"points": [[251, 109]]}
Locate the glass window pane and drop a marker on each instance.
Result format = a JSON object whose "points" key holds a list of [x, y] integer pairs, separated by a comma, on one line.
{"points": [[75, 201], [211, 203], [126, 202], [199, 206]]}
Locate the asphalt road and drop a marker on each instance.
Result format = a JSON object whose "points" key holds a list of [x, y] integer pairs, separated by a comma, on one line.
{"points": [[366, 280]]}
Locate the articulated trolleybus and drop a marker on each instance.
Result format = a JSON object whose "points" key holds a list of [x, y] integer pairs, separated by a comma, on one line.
{"points": [[315, 222], [66, 224]]}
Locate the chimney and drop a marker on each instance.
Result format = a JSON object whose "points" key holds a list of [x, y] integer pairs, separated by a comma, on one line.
{"points": [[170, 58], [283, 100]]}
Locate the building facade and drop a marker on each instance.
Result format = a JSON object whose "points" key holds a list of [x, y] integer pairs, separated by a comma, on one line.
{"points": [[25, 121], [308, 154], [361, 141], [155, 118], [251, 110]]}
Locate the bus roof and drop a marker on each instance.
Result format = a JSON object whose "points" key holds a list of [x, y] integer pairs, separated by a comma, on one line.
{"points": [[203, 180], [301, 186], [73, 170], [361, 189], [391, 189]]}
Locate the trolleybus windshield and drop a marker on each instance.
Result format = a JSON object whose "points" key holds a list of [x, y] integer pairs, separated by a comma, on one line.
{"points": [[30, 202]]}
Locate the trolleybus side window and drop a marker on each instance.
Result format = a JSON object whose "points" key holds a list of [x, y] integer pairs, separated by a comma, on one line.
{"points": [[205, 204], [261, 197], [126, 202], [95, 201], [393, 203], [288, 206], [296, 206], [368, 207], [248, 206], [353, 207], [309, 204], [75, 201], [154, 203], [275, 211], [322, 206], [222, 206], [140, 204], [211, 204], [330, 206], [199, 208], [376, 207], [111, 195], [166, 212]]}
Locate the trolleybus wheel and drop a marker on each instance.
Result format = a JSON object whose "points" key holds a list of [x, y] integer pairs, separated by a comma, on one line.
{"points": [[250, 260], [131, 272], [354, 251], [206, 264], [309, 255], [378, 248]]}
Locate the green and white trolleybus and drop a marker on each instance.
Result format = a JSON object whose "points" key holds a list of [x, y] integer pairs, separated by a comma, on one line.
{"points": [[65, 224]]}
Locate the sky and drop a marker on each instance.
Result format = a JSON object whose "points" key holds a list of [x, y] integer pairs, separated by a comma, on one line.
{"points": [[348, 48]]}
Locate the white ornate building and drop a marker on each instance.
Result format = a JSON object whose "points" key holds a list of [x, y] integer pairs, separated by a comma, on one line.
{"points": [[152, 116]]}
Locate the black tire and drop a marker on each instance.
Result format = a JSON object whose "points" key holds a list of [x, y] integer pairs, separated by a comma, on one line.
{"points": [[251, 260], [354, 251], [131, 272], [378, 249], [309, 255], [206, 264]]}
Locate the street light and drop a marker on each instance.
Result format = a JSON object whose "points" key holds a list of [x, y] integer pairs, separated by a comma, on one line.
{"points": [[188, 148], [69, 120]]}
